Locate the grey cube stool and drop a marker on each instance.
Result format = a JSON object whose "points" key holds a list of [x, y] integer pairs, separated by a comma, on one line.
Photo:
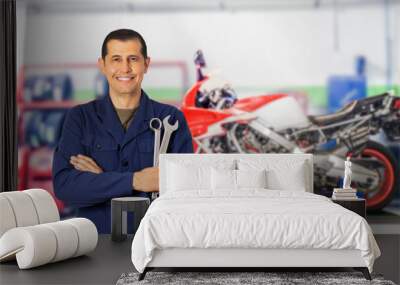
{"points": [[119, 209]]}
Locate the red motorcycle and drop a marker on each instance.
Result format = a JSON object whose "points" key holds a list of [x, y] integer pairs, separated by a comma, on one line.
{"points": [[275, 123]]}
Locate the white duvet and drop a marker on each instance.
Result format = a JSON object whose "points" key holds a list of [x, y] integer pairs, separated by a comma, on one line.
{"points": [[252, 218]]}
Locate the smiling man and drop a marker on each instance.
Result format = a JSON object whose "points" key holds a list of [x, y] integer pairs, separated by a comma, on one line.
{"points": [[106, 145]]}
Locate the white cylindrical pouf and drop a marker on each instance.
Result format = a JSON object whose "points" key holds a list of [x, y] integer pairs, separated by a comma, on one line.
{"points": [[67, 239], [45, 205], [7, 218], [23, 207], [87, 234], [34, 246]]}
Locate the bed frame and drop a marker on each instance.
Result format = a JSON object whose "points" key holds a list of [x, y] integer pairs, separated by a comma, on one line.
{"points": [[245, 258], [241, 259]]}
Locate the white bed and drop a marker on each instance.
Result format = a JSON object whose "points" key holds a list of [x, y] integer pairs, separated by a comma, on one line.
{"points": [[236, 210]]}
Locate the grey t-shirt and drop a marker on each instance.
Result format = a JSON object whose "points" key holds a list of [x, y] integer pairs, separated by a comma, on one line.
{"points": [[126, 116]]}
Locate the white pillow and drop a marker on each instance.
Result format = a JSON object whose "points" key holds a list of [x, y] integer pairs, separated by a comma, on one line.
{"points": [[223, 179], [290, 180], [282, 174], [226, 179], [181, 177], [186, 174], [251, 178]]}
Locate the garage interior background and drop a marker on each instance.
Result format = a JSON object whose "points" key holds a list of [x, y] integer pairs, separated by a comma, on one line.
{"points": [[258, 46]]}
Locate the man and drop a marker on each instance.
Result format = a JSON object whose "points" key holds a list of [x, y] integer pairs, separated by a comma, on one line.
{"points": [[106, 145]]}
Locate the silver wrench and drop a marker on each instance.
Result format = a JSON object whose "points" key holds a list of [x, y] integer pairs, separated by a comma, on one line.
{"points": [[155, 125], [168, 130], [157, 134]]}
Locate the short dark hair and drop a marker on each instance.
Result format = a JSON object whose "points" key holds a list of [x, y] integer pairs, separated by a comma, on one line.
{"points": [[124, 35]]}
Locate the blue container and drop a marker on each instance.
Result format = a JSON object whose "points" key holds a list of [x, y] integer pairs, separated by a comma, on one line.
{"points": [[48, 88], [101, 86], [43, 127], [345, 89]]}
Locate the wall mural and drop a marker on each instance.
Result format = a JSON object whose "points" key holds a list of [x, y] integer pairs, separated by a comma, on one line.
{"points": [[223, 121]]}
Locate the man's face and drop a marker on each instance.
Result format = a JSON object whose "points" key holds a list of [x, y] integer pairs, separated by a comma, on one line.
{"points": [[124, 66]]}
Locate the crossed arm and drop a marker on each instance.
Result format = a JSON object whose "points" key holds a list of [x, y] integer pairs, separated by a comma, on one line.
{"points": [[78, 180], [145, 180]]}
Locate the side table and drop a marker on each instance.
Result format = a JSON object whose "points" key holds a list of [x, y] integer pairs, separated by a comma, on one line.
{"points": [[356, 205], [119, 209]]}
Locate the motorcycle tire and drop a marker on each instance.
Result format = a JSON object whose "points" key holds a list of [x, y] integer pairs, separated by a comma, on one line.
{"points": [[389, 184]]}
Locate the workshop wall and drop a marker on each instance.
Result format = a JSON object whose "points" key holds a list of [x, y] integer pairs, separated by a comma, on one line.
{"points": [[277, 48]]}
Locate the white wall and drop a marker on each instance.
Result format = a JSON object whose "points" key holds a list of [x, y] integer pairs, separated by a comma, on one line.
{"points": [[253, 48]]}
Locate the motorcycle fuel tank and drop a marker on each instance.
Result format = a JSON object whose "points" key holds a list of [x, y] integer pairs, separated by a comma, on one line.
{"points": [[283, 113]]}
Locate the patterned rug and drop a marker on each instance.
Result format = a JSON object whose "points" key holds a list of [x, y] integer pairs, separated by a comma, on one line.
{"points": [[242, 278]]}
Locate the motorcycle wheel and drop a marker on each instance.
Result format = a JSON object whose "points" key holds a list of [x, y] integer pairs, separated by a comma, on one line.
{"points": [[389, 178]]}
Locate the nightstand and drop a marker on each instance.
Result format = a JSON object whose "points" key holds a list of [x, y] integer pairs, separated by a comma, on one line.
{"points": [[119, 209], [357, 205]]}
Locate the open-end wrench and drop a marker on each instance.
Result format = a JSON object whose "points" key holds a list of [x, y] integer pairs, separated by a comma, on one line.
{"points": [[155, 125], [168, 130]]}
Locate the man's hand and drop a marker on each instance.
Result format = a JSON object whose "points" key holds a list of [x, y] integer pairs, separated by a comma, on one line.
{"points": [[85, 163], [146, 180]]}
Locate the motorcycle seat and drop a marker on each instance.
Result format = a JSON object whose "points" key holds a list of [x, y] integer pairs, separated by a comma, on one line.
{"points": [[334, 117]]}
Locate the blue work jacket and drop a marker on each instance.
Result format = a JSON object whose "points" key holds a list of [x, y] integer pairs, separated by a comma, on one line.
{"points": [[94, 129]]}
